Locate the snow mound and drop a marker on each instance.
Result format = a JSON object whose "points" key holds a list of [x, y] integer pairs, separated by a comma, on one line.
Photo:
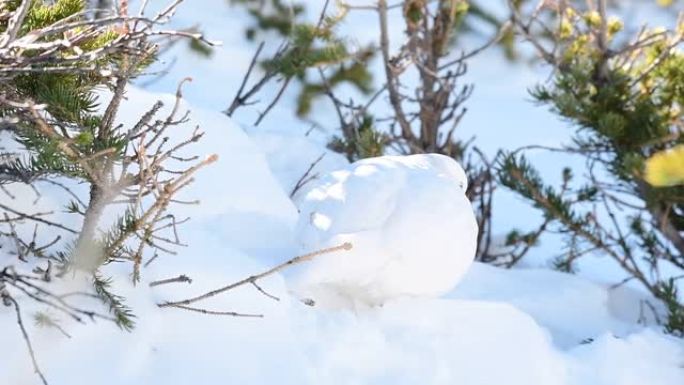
{"points": [[242, 210], [557, 301], [431, 341], [405, 342], [496, 328], [645, 357], [240, 198], [296, 159], [168, 346], [412, 229]]}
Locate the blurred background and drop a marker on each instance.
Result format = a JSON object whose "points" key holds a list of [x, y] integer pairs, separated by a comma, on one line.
{"points": [[498, 114]]}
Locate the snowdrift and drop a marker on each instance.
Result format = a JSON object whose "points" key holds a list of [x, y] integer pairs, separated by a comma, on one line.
{"points": [[514, 327]]}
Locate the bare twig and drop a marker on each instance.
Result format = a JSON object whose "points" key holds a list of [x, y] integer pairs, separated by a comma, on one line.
{"points": [[306, 177], [37, 218], [275, 100], [243, 99], [253, 278], [262, 291], [180, 278], [214, 312], [24, 333], [390, 76]]}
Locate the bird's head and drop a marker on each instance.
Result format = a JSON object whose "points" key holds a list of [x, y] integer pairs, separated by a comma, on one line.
{"points": [[450, 167]]}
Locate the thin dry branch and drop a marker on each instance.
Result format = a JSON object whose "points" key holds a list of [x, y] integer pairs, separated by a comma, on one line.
{"points": [[214, 312], [275, 100], [253, 278], [36, 218], [180, 278], [36, 368], [241, 97], [306, 177], [391, 74]]}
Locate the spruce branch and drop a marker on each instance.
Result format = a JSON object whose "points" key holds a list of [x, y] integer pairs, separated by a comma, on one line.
{"points": [[622, 96], [53, 58], [123, 315]]}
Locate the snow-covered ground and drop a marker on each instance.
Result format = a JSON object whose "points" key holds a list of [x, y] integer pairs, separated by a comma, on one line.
{"points": [[514, 327], [498, 326]]}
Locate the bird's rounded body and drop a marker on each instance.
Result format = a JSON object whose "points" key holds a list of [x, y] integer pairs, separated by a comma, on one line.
{"points": [[412, 229]]}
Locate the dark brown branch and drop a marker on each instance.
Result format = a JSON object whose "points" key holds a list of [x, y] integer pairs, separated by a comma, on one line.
{"points": [[390, 76], [305, 178], [242, 100], [36, 217], [275, 100]]}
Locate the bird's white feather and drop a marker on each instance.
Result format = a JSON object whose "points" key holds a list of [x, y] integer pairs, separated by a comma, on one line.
{"points": [[412, 229]]}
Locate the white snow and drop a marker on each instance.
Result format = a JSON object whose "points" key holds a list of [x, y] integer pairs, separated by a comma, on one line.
{"points": [[557, 301], [514, 327], [241, 201], [411, 226], [432, 341], [644, 357], [296, 159]]}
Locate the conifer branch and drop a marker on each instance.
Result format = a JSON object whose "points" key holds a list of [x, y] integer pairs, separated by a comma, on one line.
{"points": [[48, 103]]}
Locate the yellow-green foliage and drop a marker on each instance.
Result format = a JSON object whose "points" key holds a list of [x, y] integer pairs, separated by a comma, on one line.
{"points": [[44, 13], [625, 98], [628, 104], [100, 41], [666, 168]]}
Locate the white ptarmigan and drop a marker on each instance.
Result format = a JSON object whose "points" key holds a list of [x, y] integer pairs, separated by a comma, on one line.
{"points": [[411, 225]]}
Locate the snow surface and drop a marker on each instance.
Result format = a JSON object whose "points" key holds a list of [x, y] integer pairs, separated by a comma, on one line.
{"points": [[411, 226], [514, 327], [296, 159], [241, 200]]}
